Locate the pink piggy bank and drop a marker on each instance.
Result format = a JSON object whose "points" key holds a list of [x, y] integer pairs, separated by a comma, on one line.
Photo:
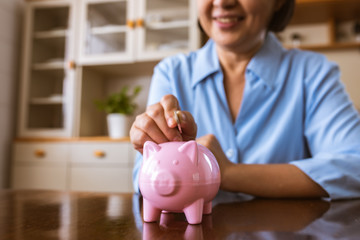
{"points": [[178, 177]]}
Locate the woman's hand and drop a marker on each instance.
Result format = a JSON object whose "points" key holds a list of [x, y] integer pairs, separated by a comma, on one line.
{"points": [[214, 146], [157, 124], [263, 180]]}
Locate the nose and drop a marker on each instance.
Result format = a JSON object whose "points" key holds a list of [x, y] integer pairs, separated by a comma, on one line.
{"points": [[224, 3], [164, 183]]}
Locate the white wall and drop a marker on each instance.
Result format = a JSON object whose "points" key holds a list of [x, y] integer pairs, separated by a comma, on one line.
{"points": [[10, 25], [349, 63], [347, 59]]}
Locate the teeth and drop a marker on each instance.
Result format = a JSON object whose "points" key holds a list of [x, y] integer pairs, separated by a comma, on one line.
{"points": [[227, 19]]}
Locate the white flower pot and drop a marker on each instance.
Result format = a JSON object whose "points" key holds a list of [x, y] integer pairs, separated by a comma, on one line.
{"points": [[118, 125]]}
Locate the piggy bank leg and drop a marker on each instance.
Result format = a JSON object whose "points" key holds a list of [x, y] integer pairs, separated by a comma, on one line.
{"points": [[207, 208], [194, 232], [151, 231], [151, 214], [194, 212]]}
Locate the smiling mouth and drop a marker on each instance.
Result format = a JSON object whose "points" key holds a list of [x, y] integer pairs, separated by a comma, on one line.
{"points": [[228, 19]]}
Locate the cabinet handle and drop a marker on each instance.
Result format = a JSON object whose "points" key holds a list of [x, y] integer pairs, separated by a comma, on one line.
{"points": [[99, 154], [139, 22], [72, 64], [130, 23], [39, 153]]}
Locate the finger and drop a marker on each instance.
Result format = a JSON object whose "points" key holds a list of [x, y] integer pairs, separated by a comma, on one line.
{"points": [[138, 138], [188, 125], [202, 141], [150, 127], [170, 104], [157, 114]]}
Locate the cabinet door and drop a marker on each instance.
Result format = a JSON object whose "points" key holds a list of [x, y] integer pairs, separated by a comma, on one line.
{"points": [[101, 167], [39, 176], [40, 166], [106, 31], [47, 76], [166, 28]]}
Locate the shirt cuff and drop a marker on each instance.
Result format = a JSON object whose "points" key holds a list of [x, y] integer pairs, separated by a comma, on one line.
{"points": [[337, 174]]}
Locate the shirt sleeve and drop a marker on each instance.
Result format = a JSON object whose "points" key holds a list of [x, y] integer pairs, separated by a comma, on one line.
{"points": [[160, 83], [332, 132], [136, 169], [160, 86]]}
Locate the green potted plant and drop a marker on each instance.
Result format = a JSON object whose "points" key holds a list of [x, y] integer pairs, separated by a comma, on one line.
{"points": [[119, 108]]}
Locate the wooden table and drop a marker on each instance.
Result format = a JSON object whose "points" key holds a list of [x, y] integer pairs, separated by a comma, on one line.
{"points": [[52, 215]]}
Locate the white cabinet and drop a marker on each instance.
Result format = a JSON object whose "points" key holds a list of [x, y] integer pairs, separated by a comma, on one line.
{"points": [[65, 39], [106, 31], [117, 31], [40, 165], [47, 82], [76, 52], [165, 28], [99, 166]]}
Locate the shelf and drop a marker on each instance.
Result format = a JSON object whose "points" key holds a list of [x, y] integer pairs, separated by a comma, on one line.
{"points": [[166, 5], [51, 33], [108, 30], [75, 139], [47, 100], [163, 16], [126, 70], [323, 10], [50, 18], [100, 13], [167, 25], [333, 46], [58, 64]]}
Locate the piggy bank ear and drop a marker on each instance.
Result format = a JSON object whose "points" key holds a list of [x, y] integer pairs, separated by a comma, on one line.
{"points": [[149, 149], [190, 148]]}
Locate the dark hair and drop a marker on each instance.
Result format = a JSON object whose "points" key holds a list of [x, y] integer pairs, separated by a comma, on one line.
{"points": [[282, 17]]}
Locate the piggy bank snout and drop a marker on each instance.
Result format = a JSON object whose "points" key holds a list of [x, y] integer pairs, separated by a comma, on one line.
{"points": [[164, 183]]}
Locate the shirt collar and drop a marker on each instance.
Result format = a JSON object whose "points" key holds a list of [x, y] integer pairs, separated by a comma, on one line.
{"points": [[263, 64], [206, 62], [267, 60]]}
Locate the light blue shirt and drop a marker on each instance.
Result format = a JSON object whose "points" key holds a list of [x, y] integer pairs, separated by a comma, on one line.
{"points": [[294, 110]]}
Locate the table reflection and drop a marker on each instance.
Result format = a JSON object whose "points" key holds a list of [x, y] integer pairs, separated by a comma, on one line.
{"points": [[175, 226], [104, 216], [70, 216], [240, 219], [265, 219]]}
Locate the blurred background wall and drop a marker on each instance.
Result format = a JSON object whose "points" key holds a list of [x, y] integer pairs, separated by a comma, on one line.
{"points": [[10, 42]]}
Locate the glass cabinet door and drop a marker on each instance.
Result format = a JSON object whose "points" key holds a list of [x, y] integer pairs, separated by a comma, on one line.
{"points": [[166, 28], [46, 76], [106, 31]]}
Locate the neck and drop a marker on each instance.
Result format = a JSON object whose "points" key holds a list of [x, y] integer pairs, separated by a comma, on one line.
{"points": [[235, 61]]}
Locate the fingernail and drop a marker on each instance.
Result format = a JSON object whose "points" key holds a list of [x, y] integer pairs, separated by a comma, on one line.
{"points": [[171, 122]]}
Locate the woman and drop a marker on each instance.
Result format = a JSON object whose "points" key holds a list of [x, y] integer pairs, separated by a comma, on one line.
{"points": [[278, 121]]}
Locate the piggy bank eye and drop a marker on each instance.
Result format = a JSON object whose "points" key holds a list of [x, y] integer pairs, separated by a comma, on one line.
{"points": [[175, 162]]}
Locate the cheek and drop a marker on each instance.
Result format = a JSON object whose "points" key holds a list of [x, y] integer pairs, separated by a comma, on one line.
{"points": [[261, 9], [259, 13], [201, 6], [204, 13]]}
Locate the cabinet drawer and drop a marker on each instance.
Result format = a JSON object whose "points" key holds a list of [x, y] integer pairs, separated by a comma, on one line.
{"points": [[40, 152], [39, 176], [100, 153], [101, 179]]}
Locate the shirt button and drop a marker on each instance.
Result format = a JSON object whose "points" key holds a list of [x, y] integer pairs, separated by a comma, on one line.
{"points": [[230, 153]]}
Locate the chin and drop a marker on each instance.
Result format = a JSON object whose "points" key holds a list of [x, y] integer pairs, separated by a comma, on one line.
{"points": [[228, 43]]}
